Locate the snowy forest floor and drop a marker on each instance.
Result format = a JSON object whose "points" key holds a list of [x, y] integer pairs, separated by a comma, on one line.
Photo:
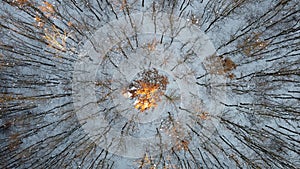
{"points": [[228, 83]]}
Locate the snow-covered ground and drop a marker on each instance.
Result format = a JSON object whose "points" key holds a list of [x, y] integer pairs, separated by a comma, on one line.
{"points": [[232, 100]]}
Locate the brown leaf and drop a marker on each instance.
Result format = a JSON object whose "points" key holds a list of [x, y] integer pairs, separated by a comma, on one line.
{"points": [[228, 65], [20, 3], [182, 145], [204, 115], [152, 45], [231, 76], [47, 8]]}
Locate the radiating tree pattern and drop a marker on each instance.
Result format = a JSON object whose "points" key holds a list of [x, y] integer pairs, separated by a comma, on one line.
{"points": [[255, 64]]}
